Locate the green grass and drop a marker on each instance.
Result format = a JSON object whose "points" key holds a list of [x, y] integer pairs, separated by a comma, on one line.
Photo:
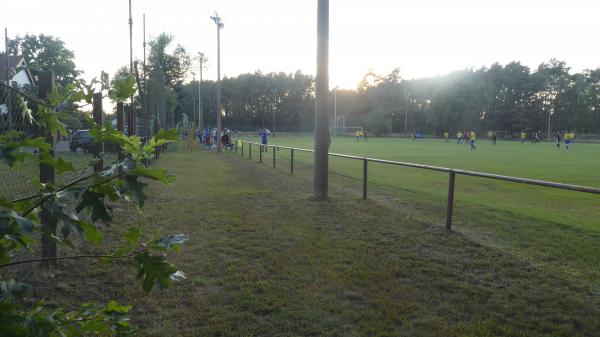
{"points": [[579, 165], [264, 260]]}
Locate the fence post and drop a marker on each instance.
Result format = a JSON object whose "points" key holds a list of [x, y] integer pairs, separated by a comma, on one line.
{"points": [[98, 147], [291, 161], [45, 86], [260, 156], [451, 178], [250, 151], [365, 162], [274, 158]]}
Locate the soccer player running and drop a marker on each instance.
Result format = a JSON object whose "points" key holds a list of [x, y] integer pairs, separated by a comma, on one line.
{"points": [[446, 136], [523, 136], [494, 138], [569, 139], [472, 138], [558, 139], [459, 137]]}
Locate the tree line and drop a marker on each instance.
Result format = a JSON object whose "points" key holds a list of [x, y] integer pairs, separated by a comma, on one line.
{"points": [[510, 98]]}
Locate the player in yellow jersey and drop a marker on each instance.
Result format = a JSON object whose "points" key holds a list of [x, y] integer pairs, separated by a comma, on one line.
{"points": [[472, 138], [446, 136], [523, 136], [569, 139], [459, 137]]}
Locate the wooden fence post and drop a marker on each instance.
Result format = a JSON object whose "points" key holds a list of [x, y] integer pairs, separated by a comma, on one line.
{"points": [[274, 158], [451, 179], [291, 161], [242, 148], [98, 147], [260, 156], [250, 151], [365, 162], [45, 87]]}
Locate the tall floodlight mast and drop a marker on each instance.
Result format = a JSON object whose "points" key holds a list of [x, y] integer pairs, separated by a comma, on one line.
{"points": [[202, 60], [220, 26]]}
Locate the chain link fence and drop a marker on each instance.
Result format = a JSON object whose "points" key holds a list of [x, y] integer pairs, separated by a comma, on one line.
{"points": [[18, 108]]}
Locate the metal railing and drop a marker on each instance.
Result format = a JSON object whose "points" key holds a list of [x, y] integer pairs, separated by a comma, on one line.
{"points": [[451, 173]]}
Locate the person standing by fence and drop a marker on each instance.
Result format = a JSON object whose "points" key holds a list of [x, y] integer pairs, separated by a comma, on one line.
{"points": [[264, 135]]}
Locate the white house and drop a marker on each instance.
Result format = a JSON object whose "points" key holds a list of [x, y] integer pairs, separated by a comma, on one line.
{"points": [[17, 68]]}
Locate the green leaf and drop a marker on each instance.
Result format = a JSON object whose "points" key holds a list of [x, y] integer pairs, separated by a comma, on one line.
{"points": [[122, 88], [91, 233], [155, 270], [134, 190], [94, 203], [16, 229], [70, 222], [113, 306], [16, 148], [60, 165], [132, 235], [11, 290], [159, 174]]}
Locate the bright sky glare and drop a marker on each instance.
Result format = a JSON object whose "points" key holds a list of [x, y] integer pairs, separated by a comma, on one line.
{"points": [[422, 37]]}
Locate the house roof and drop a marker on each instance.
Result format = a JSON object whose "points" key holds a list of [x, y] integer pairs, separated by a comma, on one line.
{"points": [[14, 61]]}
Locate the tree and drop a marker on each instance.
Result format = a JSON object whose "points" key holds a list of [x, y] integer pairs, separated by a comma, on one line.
{"points": [[378, 122], [45, 53], [80, 207]]}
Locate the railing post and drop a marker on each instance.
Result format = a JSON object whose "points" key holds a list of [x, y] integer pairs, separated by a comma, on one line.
{"points": [[451, 178], [274, 166], [365, 162], [291, 161], [261, 152], [250, 151], [242, 148], [45, 87], [98, 147]]}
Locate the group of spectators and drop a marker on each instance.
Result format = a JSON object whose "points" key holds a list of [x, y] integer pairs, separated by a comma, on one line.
{"points": [[208, 138]]}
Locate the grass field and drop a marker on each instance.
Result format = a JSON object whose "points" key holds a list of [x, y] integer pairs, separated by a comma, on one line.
{"points": [[265, 260], [579, 165]]}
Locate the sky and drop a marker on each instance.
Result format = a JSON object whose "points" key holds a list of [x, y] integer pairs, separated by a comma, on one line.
{"points": [[422, 37]]}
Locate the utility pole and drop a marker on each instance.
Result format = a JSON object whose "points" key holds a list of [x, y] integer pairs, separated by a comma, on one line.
{"points": [[193, 98], [220, 26], [549, 114], [335, 118], [130, 120], [200, 105], [145, 84], [6, 55], [7, 77], [406, 113], [321, 173]]}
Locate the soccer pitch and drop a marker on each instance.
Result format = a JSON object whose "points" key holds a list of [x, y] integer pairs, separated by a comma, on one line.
{"points": [[477, 200]]}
